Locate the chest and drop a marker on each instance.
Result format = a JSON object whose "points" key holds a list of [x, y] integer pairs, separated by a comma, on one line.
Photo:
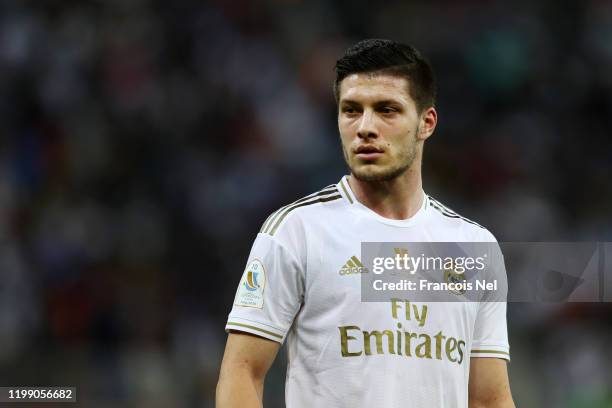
{"points": [[336, 275]]}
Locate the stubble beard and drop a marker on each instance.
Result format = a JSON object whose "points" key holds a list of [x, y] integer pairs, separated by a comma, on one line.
{"points": [[404, 161]]}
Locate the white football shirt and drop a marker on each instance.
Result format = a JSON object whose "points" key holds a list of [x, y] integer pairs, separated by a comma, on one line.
{"points": [[302, 284]]}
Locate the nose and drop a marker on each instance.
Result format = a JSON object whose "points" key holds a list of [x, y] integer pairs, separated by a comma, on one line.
{"points": [[367, 127]]}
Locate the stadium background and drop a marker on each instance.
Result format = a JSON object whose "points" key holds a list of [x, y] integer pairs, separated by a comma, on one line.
{"points": [[144, 142]]}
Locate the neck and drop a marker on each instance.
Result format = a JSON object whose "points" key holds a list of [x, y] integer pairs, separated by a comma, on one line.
{"points": [[396, 199]]}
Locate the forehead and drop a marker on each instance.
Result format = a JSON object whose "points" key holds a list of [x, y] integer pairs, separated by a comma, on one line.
{"points": [[370, 87]]}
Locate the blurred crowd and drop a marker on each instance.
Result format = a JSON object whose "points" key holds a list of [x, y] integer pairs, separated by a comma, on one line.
{"points": [[144, 142]]}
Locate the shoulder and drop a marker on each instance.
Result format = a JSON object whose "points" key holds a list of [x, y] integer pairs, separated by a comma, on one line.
{"points": [[469, 230], [290, 216]]}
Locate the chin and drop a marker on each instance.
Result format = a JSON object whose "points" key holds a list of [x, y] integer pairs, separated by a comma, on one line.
{"points": [[376, 174]]}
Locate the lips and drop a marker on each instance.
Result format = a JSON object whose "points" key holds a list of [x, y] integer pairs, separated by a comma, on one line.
{"points": [[368, 152], [367, 149]]}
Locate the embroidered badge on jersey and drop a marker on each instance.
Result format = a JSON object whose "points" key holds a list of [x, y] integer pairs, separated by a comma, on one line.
{"points": [[250, 291]]}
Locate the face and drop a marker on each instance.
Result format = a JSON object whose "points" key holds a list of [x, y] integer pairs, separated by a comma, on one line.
{"points": [[380, 128]]}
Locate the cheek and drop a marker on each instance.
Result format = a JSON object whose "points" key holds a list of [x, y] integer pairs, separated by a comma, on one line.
{"points": [[345, 131], [343, 122], [400, 142]]}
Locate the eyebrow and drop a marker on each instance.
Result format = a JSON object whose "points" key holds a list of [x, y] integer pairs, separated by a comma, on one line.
{"points": [[377, 103]]}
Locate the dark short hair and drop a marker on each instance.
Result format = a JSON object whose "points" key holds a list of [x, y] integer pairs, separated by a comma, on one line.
{"points": [[388, 57]]}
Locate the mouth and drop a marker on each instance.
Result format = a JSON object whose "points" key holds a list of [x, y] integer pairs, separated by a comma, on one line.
{"points": [[368, 152]]}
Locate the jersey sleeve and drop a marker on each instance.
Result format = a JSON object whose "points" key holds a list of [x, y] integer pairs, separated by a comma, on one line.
{"points": [[490, 336], [270, 291], [490, 332]]}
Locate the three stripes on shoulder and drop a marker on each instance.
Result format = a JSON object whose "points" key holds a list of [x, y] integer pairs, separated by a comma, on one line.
{"points": [[447, 212], [329, 193]]}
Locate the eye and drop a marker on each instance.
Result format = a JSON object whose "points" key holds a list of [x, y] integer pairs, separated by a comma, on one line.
{"points": [[387, 110], [349, 110]]}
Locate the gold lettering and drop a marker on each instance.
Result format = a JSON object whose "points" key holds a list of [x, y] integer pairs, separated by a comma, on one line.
{"points": [[399, 339], [394, 306], [425, 345], [379, 347], [407, 337], [461, 343], [451, 345], [344, 338], [439, 338], [422, 316]]}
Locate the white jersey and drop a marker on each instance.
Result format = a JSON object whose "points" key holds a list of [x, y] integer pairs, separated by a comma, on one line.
{"points": [[302, 285]]}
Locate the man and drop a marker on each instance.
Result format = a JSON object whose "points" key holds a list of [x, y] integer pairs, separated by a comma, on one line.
{"points": [[302, 281]]}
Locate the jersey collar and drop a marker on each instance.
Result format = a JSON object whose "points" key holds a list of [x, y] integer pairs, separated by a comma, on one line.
{"points": [[349, 196]]}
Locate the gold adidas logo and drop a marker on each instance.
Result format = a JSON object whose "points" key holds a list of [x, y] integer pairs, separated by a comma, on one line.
{"points": [[353, 266]]}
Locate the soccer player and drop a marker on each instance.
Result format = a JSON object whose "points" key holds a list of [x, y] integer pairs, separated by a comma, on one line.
{"points": [[302, 281]]}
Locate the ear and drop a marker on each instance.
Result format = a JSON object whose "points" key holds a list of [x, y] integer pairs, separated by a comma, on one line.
{"points": [[428, 122]]}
